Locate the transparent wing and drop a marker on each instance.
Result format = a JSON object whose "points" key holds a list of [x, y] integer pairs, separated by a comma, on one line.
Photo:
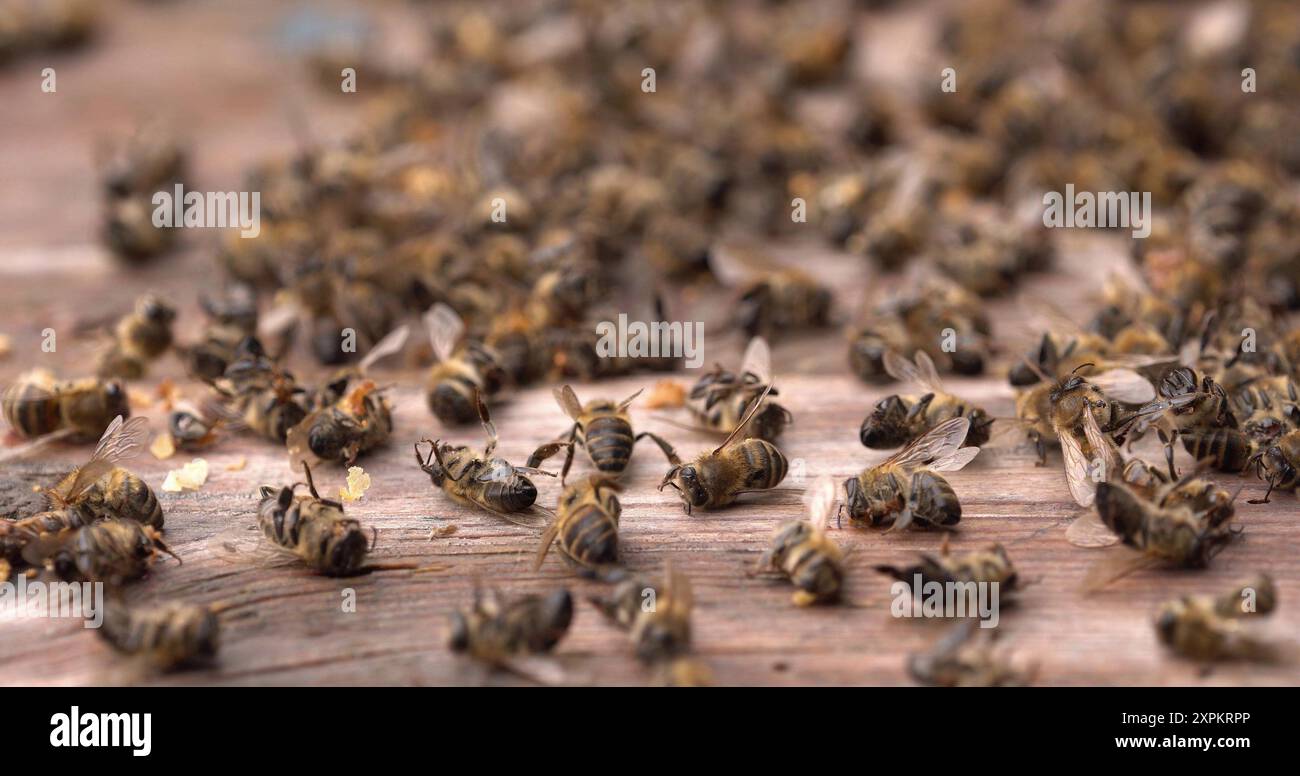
{"points": [[1119, 563], [445, 329], [121, 440], [1124, 385], [391, 343], [956, 461], [936, 444], [1077, 475], [922, 373], [736, 265], [568, 401], [757, 361], [820, 499], [245, 546], [1089, 531], [1102, 446]]}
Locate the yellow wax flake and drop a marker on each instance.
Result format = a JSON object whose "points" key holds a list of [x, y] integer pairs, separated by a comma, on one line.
{"points": [[191, 476], [358, 484], [163, 446], [6, 346], [238, 465], [666, 393]]}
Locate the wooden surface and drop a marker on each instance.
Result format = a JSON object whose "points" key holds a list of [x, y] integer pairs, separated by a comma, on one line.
{"points": [[286, 626]]}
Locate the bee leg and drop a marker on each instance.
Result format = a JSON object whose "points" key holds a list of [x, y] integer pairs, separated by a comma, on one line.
{"points": [[1040, 447], [1267, 493], [918, 409], [1168, 440], [667, 449]]}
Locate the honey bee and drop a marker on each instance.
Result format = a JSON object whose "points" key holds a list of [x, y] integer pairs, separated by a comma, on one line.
{"points": [[191, 430], [897, 420], [150, 161], [906, 488], [1278, 464], [350, 422], [936, 314], [168, 636], [1212, 628], [963, 658], [138, 339], [656, 616], [715, 478], [111, 550], [256, 395], [232, 317], [37, 404], [478, 480], [313, 529], [802, 552], [503, 632], [464, 369], [720, 399], [771, 299], [585, 524], [989, 566], [600, 427]]}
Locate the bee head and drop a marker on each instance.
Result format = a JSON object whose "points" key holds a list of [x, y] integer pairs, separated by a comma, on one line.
{"points": [[115, 400], [459, 640], [156, 310], [967, 362], [884, 426], [688, 483], [1167, 625]]}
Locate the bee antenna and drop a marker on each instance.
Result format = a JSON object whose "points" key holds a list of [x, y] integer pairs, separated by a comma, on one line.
{"points": [[1081, 366], [311, 485], [160, 544]]}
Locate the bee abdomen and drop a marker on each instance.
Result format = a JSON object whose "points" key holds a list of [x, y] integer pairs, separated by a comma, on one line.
{"points": [[766, 464], [609, 443], [933, 501], [814, 571], [30, 410], [1228, 448], [514, 494], [591, 536]]}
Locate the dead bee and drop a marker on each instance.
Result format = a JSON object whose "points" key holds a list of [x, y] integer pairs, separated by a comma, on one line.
{"points": [[148, 163], [989, 566], [464, 369], [191, 430], [714, 479], [1279, 464], [232, 317], [936, 314], [313, 529], [657, 617], [600, 427], [257, 395], [586, 524], [168, 636], [906, 487], [478, 480], [348, 422], [138, 339], [1210, 628], [802, 552], [111, 551], [962, 658], [37, 404], [504, 632], [772, 299], [897, 420], [720, 399]]}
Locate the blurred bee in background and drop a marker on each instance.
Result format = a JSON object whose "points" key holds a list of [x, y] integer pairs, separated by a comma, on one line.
{"points": [[715, 478], [602, 428], [941, 318], [1213, 628], [802, 552], [989, 566], [906, 488], [133, 171], [256, 395], [965, 657], [168, 636], [585, 524], [347, 423], [463, 370], [720, 399], [772, 300], [112, 551], [313, 529], [656, 616], [481, 480], [191, 430], [503, 632], [37, 403], [232, 317], [897, 420], [138, 339]]}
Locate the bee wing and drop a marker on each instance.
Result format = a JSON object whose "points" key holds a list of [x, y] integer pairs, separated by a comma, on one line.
{"points": [[278, 321], [745, 420], [956, 461], [246, 546], [568, 401], [548, 538], [923, 373], [628, 401], [121, 440], [937, 444], [1124, 385], [735, 265], [1077, 475], [445, 328], [35, 445], [390, 344], [757, 361], [1119, 563], [820, 499], [543, 670], [533, 517], [681, 597], [1089, 531], [1102, 446]]}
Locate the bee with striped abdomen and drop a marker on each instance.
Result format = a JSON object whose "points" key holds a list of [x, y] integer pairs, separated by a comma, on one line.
{"points": [[906, 488], [480, 480], [802, 552], [585, 524], [463, 369], [112, 551], [600, 427], [720, 399], [168, 636], [1212, 628], [138, 339], [506, 633], [314, 529], [656, 616], [897, 420], [988, 566], [715, 478], [257, 395], [37, 404], [1279, 464]]}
